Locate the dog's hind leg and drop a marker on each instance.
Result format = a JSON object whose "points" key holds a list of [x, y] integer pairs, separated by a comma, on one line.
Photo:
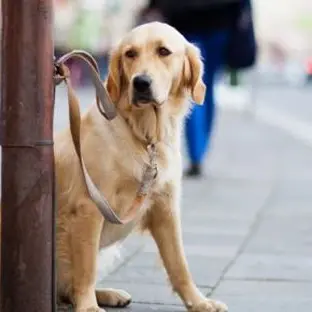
{"points": [[109, 297]]}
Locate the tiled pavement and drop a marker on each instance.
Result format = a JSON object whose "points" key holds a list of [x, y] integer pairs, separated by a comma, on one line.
{"points": [[247, 227]]}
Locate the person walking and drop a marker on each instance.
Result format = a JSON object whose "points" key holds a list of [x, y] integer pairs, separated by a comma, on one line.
{"points": [[208, 24]]}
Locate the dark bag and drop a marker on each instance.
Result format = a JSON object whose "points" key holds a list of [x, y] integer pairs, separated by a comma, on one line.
{"points": [[178, 6], [242, 48]]}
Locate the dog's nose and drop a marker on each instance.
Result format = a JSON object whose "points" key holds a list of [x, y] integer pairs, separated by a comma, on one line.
{"points": [[142, 83]]}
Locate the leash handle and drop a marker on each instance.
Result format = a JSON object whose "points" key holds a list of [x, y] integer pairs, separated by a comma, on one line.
{"points": [[103, 101], [108, 110]]}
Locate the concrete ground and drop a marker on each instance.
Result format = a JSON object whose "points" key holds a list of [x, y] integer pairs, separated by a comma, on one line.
{"points": [[247, 226]]}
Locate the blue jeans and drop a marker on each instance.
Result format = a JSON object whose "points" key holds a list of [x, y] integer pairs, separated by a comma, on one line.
{"points": [[199, 123]]}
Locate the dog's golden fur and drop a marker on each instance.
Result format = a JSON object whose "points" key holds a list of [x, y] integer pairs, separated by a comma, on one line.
{"points": [[115, 155]]}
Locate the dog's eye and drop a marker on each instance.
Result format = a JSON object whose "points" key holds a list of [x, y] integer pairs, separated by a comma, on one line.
{"points": [[131, 53], [162, 51]]}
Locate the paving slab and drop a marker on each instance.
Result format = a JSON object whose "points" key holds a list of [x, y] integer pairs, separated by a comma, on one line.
{"points": [[259, 296], [287, 236], [271, 267], [245, 303]]}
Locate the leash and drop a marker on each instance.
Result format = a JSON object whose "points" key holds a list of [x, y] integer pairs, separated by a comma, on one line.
{"points": [[108, 110]]}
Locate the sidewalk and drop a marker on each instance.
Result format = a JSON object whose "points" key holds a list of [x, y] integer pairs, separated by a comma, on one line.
{"points": [[247, 227]]}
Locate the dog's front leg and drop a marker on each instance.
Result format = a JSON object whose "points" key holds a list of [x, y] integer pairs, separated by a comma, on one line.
{"points": [[165, 226], [85, 229]]}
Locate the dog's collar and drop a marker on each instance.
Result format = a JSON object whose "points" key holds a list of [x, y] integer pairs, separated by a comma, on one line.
{"points": [[108, 110], [150, 171]]}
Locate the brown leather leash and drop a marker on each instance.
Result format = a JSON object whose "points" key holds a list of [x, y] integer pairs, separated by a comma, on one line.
{"points": [[108, 110]]}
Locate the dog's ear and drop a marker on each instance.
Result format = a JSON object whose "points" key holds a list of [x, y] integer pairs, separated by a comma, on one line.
{"points": [[193, 73], [114, 77]]}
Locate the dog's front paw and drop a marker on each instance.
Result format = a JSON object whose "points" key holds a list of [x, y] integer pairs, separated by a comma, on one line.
{"points": [[109, 297], [208, 305]]}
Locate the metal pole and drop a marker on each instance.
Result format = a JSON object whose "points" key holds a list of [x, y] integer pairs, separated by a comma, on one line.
{"points": [[27, 96]]}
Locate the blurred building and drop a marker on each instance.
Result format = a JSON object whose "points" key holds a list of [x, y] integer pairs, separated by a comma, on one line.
{"points": [[285, 24]]}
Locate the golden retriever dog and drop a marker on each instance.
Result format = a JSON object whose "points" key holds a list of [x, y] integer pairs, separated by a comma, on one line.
{"points": [[152, 74]]}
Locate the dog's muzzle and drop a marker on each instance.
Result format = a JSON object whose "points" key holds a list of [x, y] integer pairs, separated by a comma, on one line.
{"points": [[142, 90]]}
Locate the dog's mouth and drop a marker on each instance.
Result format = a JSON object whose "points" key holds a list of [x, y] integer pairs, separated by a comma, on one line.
{"points": [[140, 99]]}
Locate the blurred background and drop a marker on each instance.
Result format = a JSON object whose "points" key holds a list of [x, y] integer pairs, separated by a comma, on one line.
{"points": [[246, 212], [283, 30]]}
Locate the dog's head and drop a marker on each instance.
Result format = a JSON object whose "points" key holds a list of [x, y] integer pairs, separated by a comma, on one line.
{"points": [[153, 63]]}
